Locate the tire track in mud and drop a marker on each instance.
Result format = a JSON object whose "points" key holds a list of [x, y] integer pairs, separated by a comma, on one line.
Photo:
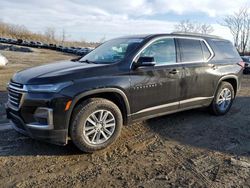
{"points": [[134, 138], [183, 160]]}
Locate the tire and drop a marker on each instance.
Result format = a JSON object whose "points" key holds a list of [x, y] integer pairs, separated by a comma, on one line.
{"points": [[216, 107], [87, 117]]}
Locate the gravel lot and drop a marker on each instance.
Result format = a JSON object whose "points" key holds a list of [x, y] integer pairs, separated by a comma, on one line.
{"points": [[187, 149]]}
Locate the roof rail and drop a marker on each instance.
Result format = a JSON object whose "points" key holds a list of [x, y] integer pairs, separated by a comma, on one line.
{"points": [[195, 34]]}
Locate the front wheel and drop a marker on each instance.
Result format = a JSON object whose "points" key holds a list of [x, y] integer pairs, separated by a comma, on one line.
{"points": [[96, 123], [223, 99]]}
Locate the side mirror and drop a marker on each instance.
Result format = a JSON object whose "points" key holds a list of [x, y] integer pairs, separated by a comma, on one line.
{"points": [[145, 62]]}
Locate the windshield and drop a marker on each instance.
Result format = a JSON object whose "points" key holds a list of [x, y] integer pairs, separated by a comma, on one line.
{"points": [[112, 51]]}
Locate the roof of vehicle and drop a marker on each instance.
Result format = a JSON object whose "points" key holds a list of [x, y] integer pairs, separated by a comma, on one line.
{"points": [[183, 34]]}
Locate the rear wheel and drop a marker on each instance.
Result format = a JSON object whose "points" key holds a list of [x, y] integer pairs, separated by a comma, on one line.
{"points": [[223, 99], [96, 123]]}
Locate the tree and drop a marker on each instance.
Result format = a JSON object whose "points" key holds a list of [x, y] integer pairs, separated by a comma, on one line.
{"points": [[206, 29], [50, 33], [239, 25], [195, 27], [63, 36]]}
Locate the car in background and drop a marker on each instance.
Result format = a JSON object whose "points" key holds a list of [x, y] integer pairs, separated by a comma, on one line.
{"points": [[52, 46], [83, 51], [3, 40], [32, 44], [11, 41], [246, 59], [19, 41], [39, 44], [59, 48]]}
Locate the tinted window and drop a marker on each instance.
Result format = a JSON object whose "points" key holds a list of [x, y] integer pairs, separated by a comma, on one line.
{"points": [[206, 52], [226, 49], [162, 50], [190, 50]]}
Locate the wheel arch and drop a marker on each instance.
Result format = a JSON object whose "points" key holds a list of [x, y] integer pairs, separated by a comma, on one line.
{"points": [[232, 79], [115, 95]]}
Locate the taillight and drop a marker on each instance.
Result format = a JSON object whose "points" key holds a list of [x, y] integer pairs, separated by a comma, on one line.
{"points": [[242, 64]]}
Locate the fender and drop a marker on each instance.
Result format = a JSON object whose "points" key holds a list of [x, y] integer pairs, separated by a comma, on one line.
{"points": [[97, 91], [227, 77]]}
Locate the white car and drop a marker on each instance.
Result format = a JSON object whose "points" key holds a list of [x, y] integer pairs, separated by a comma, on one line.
{"points": [[3, 60]]}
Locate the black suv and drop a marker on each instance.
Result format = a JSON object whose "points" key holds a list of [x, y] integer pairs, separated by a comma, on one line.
{"points": [[123, 80]]}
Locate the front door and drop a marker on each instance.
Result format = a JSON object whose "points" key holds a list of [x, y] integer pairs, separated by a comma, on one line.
{"points": [[155, 89]]}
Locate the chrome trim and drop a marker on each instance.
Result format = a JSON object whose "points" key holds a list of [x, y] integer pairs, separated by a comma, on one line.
{"points": [[50, 124], [172, 104], [13, 101], [12, 97], [15, 84], [195, 99], [13, 90], [158, 107], [18, 89], [176, 37], [16, 95]]}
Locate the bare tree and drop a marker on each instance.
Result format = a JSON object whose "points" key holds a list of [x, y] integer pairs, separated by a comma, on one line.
{"points": [[206, 29], [239, 25], [50, 33], [195, 27], [245, 32], [63, 36]]}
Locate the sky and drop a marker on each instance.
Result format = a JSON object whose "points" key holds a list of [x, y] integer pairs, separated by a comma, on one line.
{"points": [[94, 20]]}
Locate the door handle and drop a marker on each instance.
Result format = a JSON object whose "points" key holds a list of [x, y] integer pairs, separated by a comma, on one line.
{"points": [[174, 71]]}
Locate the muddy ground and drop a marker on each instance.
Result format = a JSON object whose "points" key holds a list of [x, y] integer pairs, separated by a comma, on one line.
{"points": [[187, 149]]}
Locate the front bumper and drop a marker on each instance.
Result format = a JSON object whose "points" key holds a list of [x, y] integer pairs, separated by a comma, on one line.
{"points": [[53, 129], [58, 137]]}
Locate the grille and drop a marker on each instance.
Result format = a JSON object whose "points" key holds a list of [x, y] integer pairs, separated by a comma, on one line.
{"points": [[15, 94]]}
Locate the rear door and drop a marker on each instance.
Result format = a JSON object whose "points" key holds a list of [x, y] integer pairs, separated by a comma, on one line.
{"points": [[196, 86]]}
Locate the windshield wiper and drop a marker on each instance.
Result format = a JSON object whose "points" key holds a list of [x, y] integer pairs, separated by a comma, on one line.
{"points": [[87, 61]]}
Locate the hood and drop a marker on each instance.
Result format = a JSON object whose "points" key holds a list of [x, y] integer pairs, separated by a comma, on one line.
{"points": [[55, 72]]}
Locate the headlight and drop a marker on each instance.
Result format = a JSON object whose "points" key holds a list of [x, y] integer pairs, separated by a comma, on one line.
{"points": [[47, 87]]}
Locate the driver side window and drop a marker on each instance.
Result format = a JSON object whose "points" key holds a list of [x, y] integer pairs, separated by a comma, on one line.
{"points": [[162, 50]]}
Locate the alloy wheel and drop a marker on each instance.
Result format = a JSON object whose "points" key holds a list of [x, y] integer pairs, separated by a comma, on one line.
{"points": [[224, 99], [99, 127]]}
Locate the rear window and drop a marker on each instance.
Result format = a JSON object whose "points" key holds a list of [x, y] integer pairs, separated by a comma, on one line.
{"points": [[191, 50], [226, 49]]}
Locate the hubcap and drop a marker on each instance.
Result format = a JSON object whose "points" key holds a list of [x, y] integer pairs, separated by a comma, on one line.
{"points": [[224, 99], [99, 127]]}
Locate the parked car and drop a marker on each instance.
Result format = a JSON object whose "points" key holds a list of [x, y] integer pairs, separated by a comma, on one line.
{"points": [[32, 44], [70, 49], [3, 40], [246, 59], [46, 46], [82, 52], [39, 44], [11, 41], [122, 81], [59, 48], [19, 41], [25, 43], [52, 46]]}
